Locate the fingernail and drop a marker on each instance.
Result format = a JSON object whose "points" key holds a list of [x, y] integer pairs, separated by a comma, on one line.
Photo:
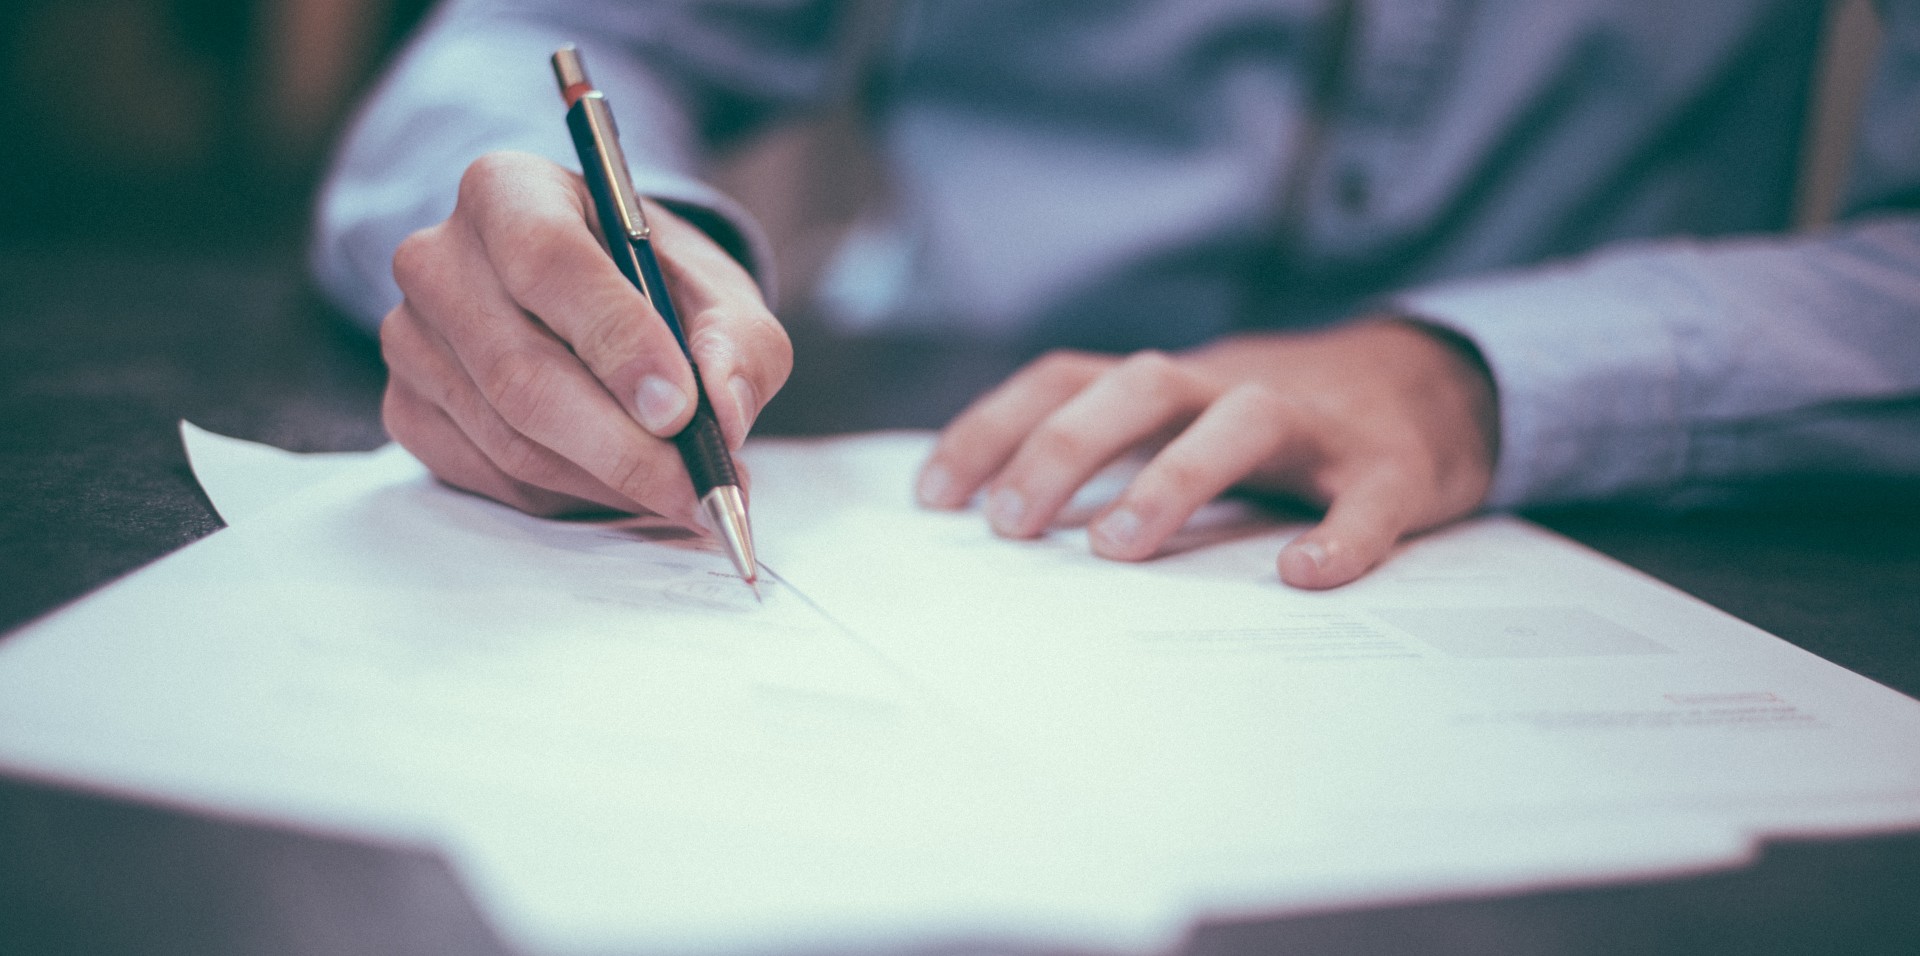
{"points": [[1302, 563], [659, 404], [934, 487], [1119, 529], [1313, 551], [1005, 508], [746, 403]]}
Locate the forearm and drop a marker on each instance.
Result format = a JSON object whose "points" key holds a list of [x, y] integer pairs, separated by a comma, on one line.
{"points": [[1682, 370], [473, 83]]}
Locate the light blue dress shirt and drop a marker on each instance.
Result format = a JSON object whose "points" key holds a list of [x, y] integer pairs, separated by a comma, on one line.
{"points": [[1594, 192]]}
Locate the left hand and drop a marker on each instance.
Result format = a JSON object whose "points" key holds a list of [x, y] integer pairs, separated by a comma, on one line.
{"points": [[1390, 425]]}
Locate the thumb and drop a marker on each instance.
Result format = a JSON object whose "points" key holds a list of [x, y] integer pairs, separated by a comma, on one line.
{"points": [[1362, 524]]}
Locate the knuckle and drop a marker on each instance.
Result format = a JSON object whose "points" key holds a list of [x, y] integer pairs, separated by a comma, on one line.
{"points": [[1003, 424], [769, 339], [755, 340], [1149, 364], [1054, 442], [397, 413], [1181, 478], [519, 383], [393, 338], [522, 460], [541, 248], [415, 259], [443, 390], [485, 175], [1152, 375], [1065, 363], [604, 338], [405, 345], [1260, 401], [635, 474], [710, 341]]}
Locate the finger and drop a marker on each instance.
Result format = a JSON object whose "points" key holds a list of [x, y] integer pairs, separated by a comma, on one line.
{"points": [[1242, 431], [980, 441], [1140, 397], [532, 221], [742, 351], [535, 382], [1363, 523], [422, 363], [544, 394], [432, 437]]}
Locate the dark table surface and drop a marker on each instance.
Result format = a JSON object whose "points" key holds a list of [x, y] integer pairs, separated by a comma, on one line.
{"points": [[101, 354]]}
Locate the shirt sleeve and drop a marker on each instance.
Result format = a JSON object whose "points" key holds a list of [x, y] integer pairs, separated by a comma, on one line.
{"points": [[684, 79], [1690, 371]]}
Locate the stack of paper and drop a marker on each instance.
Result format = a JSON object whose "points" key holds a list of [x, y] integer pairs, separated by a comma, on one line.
{"points": [[919, 733]]}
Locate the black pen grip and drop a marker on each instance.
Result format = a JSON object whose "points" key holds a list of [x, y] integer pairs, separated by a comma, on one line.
{"points": [[704, 450], [701, 443]]}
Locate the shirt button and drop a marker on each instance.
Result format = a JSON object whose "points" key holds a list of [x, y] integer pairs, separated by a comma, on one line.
{"points": [[1353, 189]]}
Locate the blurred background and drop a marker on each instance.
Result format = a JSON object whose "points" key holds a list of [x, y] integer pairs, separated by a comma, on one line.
{"points": [[202, 125], [157, 159], [195, 123]]}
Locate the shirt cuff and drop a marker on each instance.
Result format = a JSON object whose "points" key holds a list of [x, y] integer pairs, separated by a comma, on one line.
{"points": [[401, 165], [1586, 365]]}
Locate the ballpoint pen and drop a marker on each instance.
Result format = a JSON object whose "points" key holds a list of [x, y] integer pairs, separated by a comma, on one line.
{"points": [[630, 240]]}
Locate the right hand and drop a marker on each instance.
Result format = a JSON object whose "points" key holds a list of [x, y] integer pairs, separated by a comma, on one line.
{"points": [[524, 367]]}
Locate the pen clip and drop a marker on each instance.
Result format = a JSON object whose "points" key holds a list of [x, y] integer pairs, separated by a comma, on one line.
{"points": [[571, 72], [613, 163]]}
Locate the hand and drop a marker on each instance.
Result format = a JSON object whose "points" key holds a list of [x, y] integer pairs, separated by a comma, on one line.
{"points": [[1390, 425], [523, 365]]}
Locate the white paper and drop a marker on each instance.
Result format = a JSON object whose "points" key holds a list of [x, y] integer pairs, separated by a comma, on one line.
{"points": [[919, 732], [244, 478]]}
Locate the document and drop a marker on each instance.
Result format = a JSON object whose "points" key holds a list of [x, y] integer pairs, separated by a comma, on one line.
{"points": [[917, 733]]}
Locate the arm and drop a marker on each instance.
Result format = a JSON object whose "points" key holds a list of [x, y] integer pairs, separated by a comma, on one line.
{"points": [[475, 80], [1688, 371], [1679, 369], [523, 366], [1685, 371]]}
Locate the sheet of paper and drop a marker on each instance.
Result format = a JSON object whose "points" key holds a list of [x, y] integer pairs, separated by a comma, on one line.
{"points": [[244, 478], [1491, 676], [580, 715], [919, 732]]}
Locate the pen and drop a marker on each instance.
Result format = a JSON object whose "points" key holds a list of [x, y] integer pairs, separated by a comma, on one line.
{"points": [[630, 240]]}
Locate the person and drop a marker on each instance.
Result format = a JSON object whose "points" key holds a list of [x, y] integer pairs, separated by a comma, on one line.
{"points": [[1404, 259]]}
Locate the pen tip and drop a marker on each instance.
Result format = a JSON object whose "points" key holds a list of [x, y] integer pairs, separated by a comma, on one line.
{"points": [[727, 515]]}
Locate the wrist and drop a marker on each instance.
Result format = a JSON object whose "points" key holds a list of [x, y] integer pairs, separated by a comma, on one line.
{"points": [[1459, 375]]}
